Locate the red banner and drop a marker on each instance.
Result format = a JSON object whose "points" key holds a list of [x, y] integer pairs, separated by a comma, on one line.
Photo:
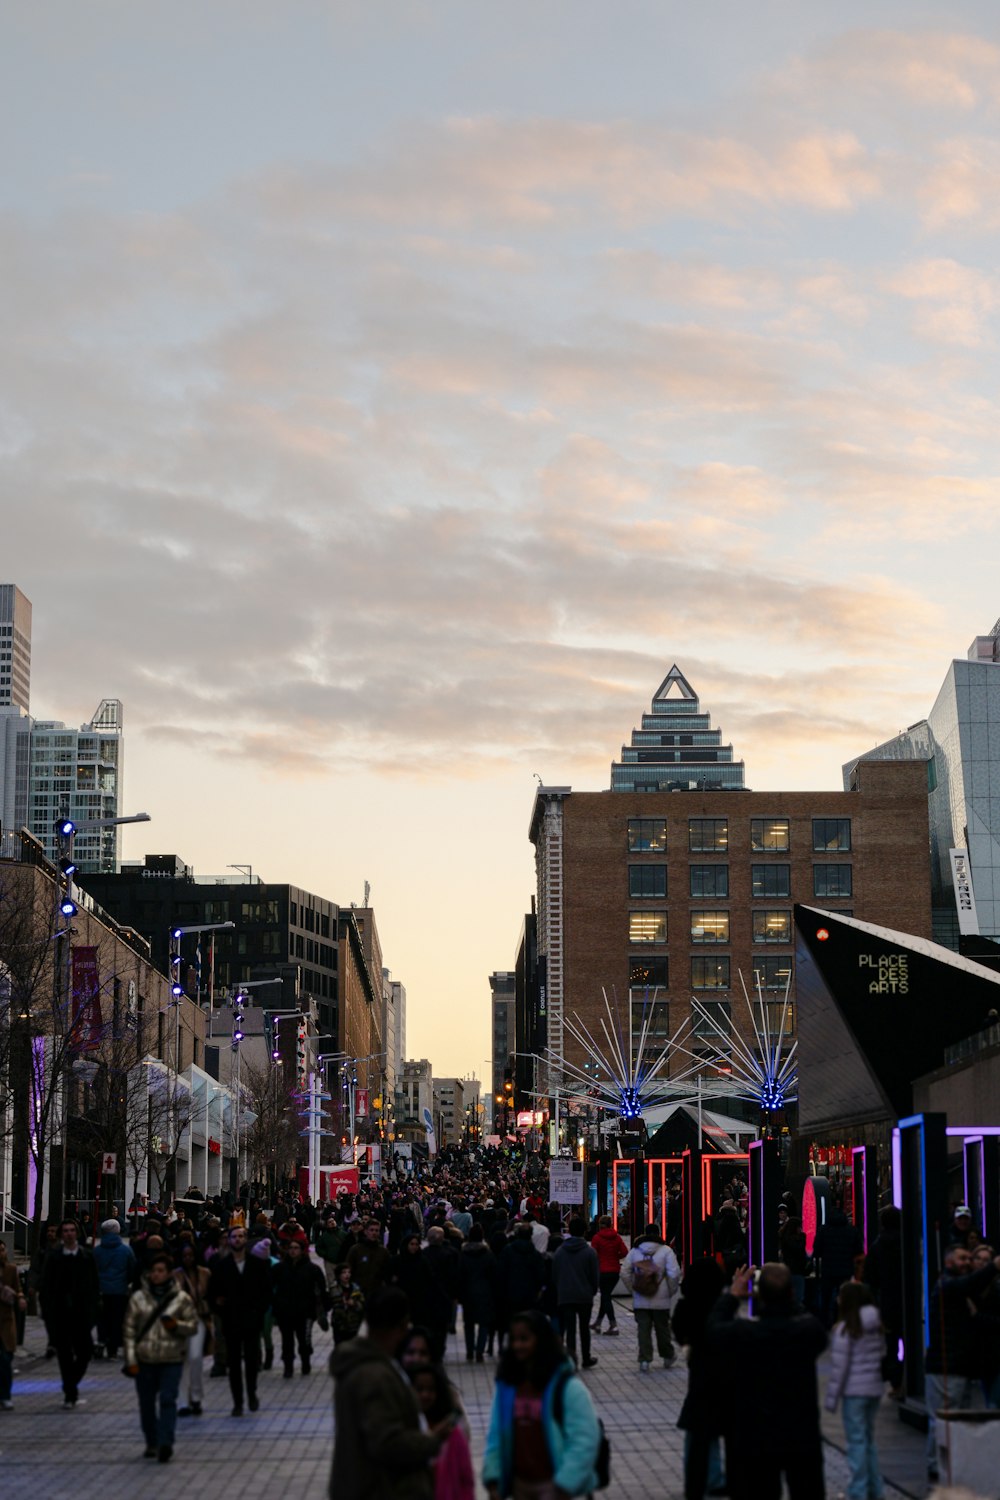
{"points": [[87, 1022]]}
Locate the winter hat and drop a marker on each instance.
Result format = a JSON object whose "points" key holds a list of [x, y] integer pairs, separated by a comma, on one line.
{"points": [[111, 1226]]}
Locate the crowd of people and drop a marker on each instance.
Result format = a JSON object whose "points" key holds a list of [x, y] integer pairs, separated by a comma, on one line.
{"points": [[389, 1270]]}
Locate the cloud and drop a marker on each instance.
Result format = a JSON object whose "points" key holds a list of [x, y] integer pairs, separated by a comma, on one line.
{"points": [[954, 302], [928, 68]]}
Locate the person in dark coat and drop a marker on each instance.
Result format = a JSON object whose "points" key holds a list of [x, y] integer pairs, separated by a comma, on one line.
{"points": [[522, 1271], [477, 1293], [115, 1264], [70, 1294], [412, 1274], [883, 1272], [763, 1371], [953, 1359], [837, 1246], [700, 1416], [442, 1259], [297, 1297], [239, 1290]]}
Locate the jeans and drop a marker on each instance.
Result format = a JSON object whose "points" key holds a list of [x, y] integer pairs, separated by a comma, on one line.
{"points": [[955, 1394], [242, 1347], [74, 1348], [702, 1465], [163, 1381], [647, 1321], [6, 1373], [571, 1314], [606, 1308], [862, 1458], [194, 1366]]}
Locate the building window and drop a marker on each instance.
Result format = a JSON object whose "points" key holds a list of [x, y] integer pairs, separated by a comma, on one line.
{"points": [[832, 880], [272, 942], [216, 911], [772, 927], [657, 1017], [832, 833], [260, 911], [647, 880], [647, 834], [771, 880], [719, 1011], [710, 927], [709, 973], [769, 834], [708, 835], [647, 973], [772, 973], [647, 927], [709, 880]]}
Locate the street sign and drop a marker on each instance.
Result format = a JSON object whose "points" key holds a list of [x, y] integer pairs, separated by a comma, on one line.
{"points": [[565, 1181], [109, 1162]]}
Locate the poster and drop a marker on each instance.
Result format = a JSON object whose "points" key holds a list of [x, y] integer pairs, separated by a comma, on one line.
{"points": [[565, 1181], [87, 1020]]}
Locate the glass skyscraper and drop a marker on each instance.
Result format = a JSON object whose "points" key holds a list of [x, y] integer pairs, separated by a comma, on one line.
{"points": [[676, 749], [77, 773]]}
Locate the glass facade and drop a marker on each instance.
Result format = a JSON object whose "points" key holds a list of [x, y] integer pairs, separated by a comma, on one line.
{"points": [[675, 748]]}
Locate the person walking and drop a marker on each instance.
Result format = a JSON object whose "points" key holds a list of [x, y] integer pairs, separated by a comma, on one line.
{"points": [[347, 1307], [576, 1280], [544, 1436], [699, 1417], [857, 1348], [611, 1251], [651, 1273], [71, 1297], [763, 1372], [952, 1361], [115, 1269], [836, 1248], [521, 1276], [369, 1260], [239, 1289], [12, 1302], [159, 1321], [193, 1279], [477, 1284], [331, 1247], [454, 1476], [883, 1272], [298, 1291], [380, 1451]]}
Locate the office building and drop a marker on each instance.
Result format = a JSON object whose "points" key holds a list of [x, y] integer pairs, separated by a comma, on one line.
{"points": [[960, 743], [449, 1096], [676, 749], [414, 1100], [530, 1034], [655, 896], [15, 648], [77, 774], [503, 997]]}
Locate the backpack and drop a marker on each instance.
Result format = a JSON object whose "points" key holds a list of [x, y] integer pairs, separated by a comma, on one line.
{"points": [[602, 1463], [646, 1276]]}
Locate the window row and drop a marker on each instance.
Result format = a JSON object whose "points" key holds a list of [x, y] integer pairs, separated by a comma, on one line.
{"points": [[711, 835], [647, 882], [709, 973]]}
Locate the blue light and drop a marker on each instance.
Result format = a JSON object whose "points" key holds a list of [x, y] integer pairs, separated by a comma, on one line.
{"points": [[630, 1105], [177, 990], [68, 907], [66, 828], [237, 1035], [178, 932]]}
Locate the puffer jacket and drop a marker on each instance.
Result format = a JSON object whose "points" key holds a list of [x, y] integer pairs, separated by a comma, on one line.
{"points": [[856, 1364], [115, 1263], [611, 1250], [159, 1345], [670, 1274]]}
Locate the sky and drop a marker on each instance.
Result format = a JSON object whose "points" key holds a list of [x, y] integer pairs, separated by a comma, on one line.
{"points": [[391, 392]]}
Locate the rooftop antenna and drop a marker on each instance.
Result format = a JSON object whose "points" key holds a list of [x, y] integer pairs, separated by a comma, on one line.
{"points": [[368, 891]]}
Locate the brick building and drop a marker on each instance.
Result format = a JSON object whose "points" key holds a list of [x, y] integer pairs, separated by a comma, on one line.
{"points": [[678, 892]]}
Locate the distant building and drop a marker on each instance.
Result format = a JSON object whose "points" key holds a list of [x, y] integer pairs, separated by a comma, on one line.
{"points": [[77, 773], [414, 1100], [676, 749], [960, 743], [15, 648], [503, 993], [450, 1097], [530, 1032]]}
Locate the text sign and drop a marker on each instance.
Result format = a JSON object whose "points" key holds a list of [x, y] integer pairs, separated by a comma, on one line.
{"points": [[965, 897], [565, 1181]]}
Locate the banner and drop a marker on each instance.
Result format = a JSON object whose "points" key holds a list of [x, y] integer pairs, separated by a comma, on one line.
{"points": [[565, 1181], [361, 1102], [87, 1022]]}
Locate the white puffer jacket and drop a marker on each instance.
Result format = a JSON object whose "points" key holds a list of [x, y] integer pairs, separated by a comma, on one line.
{"points": [[666, 1263], [856, 1364]]}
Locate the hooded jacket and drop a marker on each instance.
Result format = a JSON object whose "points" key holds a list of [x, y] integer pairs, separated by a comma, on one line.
{"points": [[159, 1345], [477, 1279], [611, 1250], [380, 1453], [522, 1273], [575, 1274], [670, 1274], [115, 1263]]}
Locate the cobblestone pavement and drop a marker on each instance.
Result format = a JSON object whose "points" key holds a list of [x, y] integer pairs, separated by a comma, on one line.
{"points": [[96, 1451]]}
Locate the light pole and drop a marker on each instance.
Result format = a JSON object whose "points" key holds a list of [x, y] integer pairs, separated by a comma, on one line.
{"points": [[238, 1001]]}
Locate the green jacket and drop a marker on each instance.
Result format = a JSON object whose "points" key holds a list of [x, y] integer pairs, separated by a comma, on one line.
{"points": [[330, 1245]]}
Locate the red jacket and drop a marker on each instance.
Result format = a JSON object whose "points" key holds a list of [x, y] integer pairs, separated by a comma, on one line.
{"points": [[611, 1249]]}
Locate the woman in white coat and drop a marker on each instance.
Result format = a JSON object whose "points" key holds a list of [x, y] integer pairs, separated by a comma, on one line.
{"points": [[651, 1273], [857, 1347]]}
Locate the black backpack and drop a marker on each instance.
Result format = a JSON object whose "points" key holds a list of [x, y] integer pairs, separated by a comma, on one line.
{"points": [[602, 1463]]}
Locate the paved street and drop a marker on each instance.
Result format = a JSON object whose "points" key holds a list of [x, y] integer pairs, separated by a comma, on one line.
{"points": [[96, 1451]]}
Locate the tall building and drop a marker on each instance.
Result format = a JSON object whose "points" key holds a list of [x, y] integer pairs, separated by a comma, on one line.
{"points": [[960, 743], [503, 995], [77, 773], [450, 1099], [530, 1033], [414, 1096], [655, 896], [676, 749], [393, 1028], [15, 648]]}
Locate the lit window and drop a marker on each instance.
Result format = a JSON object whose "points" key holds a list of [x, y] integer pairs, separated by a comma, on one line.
{"points": [[832, 833], [772, 927], [709, 973], [647, 927], [647, 834], [647, 973], [710, 927], [769, 834], [772, 973]]}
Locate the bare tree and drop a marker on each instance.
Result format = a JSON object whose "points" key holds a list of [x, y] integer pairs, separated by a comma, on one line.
{"points": [[272, 1142]]}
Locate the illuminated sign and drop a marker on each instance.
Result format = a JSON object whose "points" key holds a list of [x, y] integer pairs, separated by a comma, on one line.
{"points": [[891, 972], [965, 897]]}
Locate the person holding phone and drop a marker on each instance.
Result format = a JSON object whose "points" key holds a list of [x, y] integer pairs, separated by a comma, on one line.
{"points": [[159, 1321]]}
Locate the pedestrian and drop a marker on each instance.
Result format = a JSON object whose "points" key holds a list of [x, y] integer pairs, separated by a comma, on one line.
{"points": [[443, 1261], [369, 1260], [651, 1273], [477, 1293], [347, 1307], [521, 1275], [699, 1416], [763, 1371], [837, 1247], [331, 1247], [576, 1280], [883, 1272], [239, 1289], [47, 1243], [115, 1269], [159, 1321], [611, 1251], [544, 1436], [71, 1296], [952, 1361], [380, 1451], [193, 1279], [298, 1296], [12, 1302], [792, 1253], [454, 1476], [857, 1347]]}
